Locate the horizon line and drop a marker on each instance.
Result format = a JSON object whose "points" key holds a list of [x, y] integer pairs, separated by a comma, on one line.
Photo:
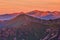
{"points": [[30, 11]]}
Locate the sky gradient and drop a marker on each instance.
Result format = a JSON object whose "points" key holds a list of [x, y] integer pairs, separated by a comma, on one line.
{"points": [[11, 6]]}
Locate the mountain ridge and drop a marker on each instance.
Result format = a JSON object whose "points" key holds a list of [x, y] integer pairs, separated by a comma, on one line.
{"points": [[47, 15]]}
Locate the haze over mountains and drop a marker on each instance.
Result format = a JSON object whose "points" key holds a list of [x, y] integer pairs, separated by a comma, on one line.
{"points": [[45, 14], [29, 26], [13, 20], [8, 16], [36, 13], [25, 19]]}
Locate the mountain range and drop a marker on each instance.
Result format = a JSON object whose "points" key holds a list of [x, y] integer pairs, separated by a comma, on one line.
{"points": [[24, 19], [8, 16], [35, 25], [46, 15]]}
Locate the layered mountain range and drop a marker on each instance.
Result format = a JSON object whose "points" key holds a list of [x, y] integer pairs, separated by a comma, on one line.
{"points": [[34, 25], [25, 19], [8, 16], [46, 15]]}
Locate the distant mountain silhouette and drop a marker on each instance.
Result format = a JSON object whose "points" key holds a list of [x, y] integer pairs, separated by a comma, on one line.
{"points": [[24, 19], [47, 15], [8, 16], [35, 13], [32, 28]]}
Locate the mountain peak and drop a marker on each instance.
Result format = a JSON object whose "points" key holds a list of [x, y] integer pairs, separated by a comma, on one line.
{"points": [[36, 11]]}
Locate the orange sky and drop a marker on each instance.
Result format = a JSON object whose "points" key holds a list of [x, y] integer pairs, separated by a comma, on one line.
{"points": [[10, 6]]}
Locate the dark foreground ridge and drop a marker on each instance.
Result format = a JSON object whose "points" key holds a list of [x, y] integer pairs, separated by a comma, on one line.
{"points": [[24, 27]]}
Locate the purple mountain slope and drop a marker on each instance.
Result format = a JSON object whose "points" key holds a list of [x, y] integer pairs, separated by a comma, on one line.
{"points": [[8, 16], [47, 17], [44, 15]]}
